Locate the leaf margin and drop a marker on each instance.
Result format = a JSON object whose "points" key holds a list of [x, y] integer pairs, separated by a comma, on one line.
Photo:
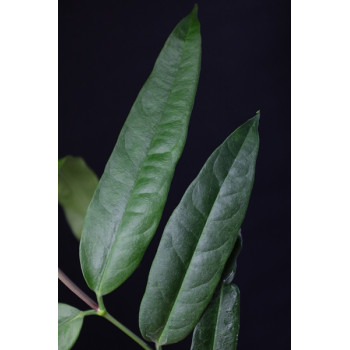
{"points": [[97, 283], [79, 316], [157, 335]]}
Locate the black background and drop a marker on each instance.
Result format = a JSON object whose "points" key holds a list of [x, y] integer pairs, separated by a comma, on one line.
{"points": [[106, 52]]}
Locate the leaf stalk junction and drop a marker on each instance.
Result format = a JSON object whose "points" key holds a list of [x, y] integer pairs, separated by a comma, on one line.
{"points": [[99, 309]]}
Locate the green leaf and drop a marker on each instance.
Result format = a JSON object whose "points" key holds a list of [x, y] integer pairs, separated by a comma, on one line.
{"points": [[61, 162], [76, 186], [219, 326], [70, 321], [129, 201], [199, 238], [231, 265]]}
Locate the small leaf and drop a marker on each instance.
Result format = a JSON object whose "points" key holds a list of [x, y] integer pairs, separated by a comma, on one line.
{"points": [[231, 265], [199, 238], [219, 326], [70, 321], [129, 201], [61, 162], [76, 186]]}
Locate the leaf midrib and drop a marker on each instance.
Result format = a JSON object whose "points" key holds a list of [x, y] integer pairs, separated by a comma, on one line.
{"points": [[183, 279], [115, 239], [79, 315]]}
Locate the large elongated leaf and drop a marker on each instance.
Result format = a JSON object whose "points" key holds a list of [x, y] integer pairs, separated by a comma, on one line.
{"points": [[70, 321], [76, 186], [199, 238], [219, 326], [128, 203]]}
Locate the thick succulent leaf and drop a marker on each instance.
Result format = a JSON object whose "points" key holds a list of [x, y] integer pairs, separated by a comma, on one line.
{"points": [[199, 238], [70, 321], [128, 203], [231, 265], [219, 326], [76, 186]]}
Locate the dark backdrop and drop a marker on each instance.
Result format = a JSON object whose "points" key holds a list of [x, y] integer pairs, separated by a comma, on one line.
{"points": [[106, 52]]}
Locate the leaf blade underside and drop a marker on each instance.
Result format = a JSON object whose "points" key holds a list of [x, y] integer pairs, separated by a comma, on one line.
{"points": [[218, 328], [199, 238], [76, 186], [231, 265], [127, 206]]}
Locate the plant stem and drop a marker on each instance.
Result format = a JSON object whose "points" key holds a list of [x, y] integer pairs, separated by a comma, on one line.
{"points": [[99, 309], [158, 347], [76, 290], [89, 312], [100, 303], [127, 331]]}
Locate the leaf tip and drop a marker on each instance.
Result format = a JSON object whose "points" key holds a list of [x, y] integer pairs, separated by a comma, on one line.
{"points": [[256, 118], [194, 13], [61, 161]]}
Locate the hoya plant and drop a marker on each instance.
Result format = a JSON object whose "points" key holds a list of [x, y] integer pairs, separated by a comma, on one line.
{"points": [[190, 285]]}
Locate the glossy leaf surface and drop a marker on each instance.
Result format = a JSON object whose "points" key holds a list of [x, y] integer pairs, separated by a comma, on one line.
{"points": [[76, 186], [70, 321], [199, 238], [128, 203], [219, 326]]}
